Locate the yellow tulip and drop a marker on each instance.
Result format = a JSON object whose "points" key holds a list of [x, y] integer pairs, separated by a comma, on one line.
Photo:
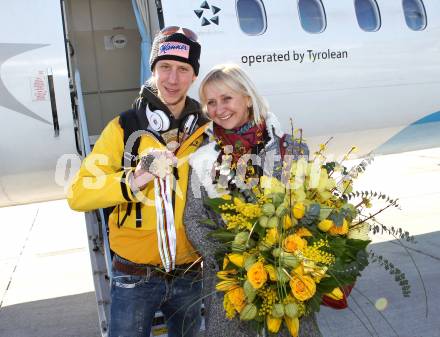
{"points": [[336, 294], [226, 285], [287, 222], [237, 259], [292, 325], [226, 274], [225, 262], [299, 210], [273, 323], [325, 225]]}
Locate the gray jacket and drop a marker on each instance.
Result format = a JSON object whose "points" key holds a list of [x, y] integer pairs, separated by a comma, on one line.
{"points": [[200, 187]]}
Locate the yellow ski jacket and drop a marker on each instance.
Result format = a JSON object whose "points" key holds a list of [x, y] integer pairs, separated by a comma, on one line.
{"points": [[99, 184]]}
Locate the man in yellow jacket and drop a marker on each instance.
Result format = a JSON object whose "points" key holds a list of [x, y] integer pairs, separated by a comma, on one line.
{"points": [[154, 265]]}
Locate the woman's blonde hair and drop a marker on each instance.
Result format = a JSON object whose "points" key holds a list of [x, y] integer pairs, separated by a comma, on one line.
{"points": [[233, 77]]}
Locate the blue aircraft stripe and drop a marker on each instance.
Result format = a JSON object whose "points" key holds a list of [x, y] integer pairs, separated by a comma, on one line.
{"points": [[422, 134]]}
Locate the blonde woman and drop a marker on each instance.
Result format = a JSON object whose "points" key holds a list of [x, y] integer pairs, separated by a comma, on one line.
{"points": [[241, 125]]}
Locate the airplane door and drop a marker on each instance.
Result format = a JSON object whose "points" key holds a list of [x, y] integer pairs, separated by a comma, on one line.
{"points": [[36, 126]]}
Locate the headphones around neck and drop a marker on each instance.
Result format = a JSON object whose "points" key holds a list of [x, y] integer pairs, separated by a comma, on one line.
{"points": [[157, 119], [160, 121]]}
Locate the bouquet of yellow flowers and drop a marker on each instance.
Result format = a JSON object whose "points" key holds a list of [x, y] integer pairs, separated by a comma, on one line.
{"points": [[291, 244]]}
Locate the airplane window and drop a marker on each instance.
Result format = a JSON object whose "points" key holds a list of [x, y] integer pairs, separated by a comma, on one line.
{"points": [[251, 16], [415, 14], [367, 14], [312, 15]]}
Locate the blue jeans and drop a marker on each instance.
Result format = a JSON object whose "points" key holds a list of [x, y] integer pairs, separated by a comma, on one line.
{"points": [[135, 300]]}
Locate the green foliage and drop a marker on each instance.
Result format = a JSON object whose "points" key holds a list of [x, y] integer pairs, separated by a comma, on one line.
{"points": [[398, 233], [360, 168], [351, 259], [371, 195], [399, 277], [337, 218], [214, 204], [222, 235], [324, 212], [312, 216], [207, 221]]}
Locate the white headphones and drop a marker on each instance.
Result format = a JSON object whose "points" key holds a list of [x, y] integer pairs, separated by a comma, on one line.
{"points": [[157, 119]]}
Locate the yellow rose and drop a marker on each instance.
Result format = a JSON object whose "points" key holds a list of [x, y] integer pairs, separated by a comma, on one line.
{"points": [[294, 242], [237, 259], [257, 275], [302, 287], [237, 298], [292, 325], [341, 230], [325, 225], [226, 197], [273, 324]]}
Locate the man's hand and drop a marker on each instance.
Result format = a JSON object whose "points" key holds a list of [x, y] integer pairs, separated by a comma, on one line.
{"points": [[157, 163]]}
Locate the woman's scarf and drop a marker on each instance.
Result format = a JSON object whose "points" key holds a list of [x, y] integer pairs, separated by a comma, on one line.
{"points": [[246, 139]]}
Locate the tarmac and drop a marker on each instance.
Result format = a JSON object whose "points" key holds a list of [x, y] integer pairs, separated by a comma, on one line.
{"points": [[46, 285]]}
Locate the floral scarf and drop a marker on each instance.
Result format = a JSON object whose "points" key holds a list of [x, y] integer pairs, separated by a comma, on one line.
{"points": [[248, 138]]}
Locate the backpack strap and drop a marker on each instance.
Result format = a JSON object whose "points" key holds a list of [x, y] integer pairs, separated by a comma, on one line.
{"points": [[129, 122]]}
